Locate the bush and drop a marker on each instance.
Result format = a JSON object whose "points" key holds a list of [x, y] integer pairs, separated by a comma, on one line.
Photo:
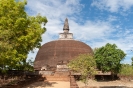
{"points": [[126, 70]]}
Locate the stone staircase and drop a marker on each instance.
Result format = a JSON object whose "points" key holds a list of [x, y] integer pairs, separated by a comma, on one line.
{"points": [[73, 83], [62, 76]]}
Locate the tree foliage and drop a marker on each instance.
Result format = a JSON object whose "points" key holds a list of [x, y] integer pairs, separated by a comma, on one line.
{"points": [[84, 64], [19, 33], [108, 58]]}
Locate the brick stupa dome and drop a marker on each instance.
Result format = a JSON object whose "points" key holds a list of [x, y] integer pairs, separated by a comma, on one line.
{"points": [[64, 49]]}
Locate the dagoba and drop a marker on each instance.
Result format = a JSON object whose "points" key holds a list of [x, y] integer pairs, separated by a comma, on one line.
{"points": [[60, 51]]}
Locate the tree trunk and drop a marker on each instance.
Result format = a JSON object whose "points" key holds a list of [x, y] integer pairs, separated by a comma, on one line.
{"points": [[112, 75]]}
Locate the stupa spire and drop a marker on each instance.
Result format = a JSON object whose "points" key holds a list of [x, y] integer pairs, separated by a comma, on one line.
{"points": [[66, 35], [66, 26]]}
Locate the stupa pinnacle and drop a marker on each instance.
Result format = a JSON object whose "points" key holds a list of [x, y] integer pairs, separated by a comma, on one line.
{"points": [[66, 26], [66, 35]]}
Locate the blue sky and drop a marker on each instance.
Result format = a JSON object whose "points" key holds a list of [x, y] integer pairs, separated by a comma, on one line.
{"points": [[95, 22]]}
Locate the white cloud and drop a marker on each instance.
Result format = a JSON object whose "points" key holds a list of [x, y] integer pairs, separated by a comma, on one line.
{"points": [[113, 5], [91, 30], [54, 8], [112, 18]]}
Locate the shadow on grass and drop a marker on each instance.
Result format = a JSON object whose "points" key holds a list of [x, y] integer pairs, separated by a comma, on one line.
{"points": [[41, 84]]}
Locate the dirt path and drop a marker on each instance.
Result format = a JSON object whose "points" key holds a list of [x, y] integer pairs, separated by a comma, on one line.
{"points": [[91, 83], [50, 84], [108, 84]]}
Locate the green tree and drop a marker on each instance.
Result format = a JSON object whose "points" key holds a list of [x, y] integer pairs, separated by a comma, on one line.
{"points": [[108, 58], [19, 33], [85, 65]]}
